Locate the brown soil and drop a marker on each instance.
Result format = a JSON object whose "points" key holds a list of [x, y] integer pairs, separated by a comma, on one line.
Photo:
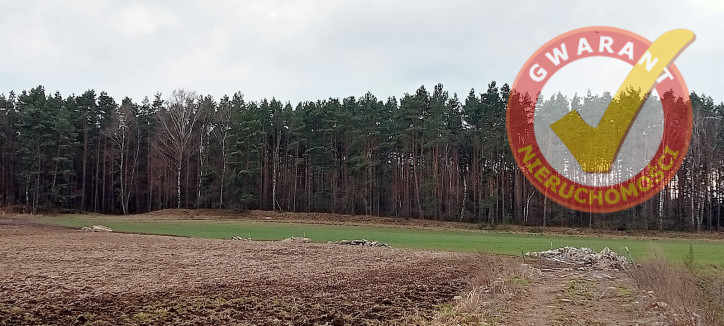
{"points": [[62, 276], [54, 275]]}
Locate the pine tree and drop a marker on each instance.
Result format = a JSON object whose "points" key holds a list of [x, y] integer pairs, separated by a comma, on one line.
{"points": [[8, 147], [46, 143], [86, 124], [246, 144]]}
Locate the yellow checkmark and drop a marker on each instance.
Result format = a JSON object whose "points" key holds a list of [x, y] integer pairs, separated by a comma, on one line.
{"points": [[595, 148]]}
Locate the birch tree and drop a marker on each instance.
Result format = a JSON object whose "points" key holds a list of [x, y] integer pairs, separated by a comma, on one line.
{"points": [[122, 132], [176, 132]]}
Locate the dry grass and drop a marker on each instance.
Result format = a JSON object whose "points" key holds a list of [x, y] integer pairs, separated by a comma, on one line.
{"points": [[711, 301], [489, 292], [675, 285]]}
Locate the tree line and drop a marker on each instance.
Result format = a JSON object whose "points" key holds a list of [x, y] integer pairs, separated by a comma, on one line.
{"points": [[427, 155]]}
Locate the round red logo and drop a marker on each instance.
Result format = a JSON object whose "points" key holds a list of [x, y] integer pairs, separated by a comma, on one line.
{"points": [[608, 157]]}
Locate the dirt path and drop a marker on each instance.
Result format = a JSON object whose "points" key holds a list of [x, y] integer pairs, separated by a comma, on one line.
{"points": [[570, 295]]}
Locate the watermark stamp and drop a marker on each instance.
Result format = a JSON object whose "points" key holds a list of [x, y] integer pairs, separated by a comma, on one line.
{"points": [[609, 155]]}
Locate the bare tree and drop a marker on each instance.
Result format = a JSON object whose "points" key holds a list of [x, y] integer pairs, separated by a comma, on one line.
{"points": [[176, 122], [222, 131], [207, 107], [121, 133]]}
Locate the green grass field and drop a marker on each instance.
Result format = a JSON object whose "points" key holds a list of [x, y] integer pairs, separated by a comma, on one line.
{"points": [[707, 252]]}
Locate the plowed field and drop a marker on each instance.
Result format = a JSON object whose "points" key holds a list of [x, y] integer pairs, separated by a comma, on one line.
{"points": [[53, 275]]}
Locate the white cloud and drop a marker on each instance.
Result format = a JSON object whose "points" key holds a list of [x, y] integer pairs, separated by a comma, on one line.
{"points": [[303, 50], [141, 19], [710, 6]]}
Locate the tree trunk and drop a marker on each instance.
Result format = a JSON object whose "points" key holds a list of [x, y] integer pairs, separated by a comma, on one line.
{"points": [[178, 185], [103, 182], [275, 168], [85, 168], [223, 170], [121, 169], [96, 181]]}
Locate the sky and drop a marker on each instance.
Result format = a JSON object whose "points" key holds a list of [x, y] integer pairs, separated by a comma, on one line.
{"points": [[308, 50]]}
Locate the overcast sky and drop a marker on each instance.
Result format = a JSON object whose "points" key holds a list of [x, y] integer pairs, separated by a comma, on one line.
{"points": [[309, 50]]}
